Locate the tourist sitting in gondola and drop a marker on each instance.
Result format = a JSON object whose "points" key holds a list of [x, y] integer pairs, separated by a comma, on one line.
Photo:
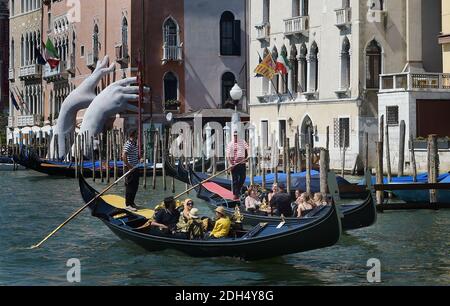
{"points": [[222, 226], [194, 226], [166, 219], [252, 201], [281, 203], [304, 204], [185, 216], [273, 192], [319, 200]]}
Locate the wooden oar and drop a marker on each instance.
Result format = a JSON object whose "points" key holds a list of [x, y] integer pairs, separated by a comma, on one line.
{"points": [[82, 208]]}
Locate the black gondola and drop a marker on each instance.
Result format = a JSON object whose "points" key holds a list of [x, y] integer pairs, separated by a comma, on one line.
{"points": [[259, 242], [354, 216]]}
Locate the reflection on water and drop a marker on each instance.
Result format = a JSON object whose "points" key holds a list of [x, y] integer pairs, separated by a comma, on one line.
{"points": [[412, 246]]}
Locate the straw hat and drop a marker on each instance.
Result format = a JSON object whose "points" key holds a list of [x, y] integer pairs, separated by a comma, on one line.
{"points": [[194, 213], [221, 210]]}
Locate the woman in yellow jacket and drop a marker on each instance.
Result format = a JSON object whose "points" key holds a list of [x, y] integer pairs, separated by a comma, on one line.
{"points": [[222, 226]]}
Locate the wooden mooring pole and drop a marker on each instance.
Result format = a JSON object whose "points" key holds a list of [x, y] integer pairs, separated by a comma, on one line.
{"points": [[413, 158], [308, 168], [401, 149], [379, 152], [388, 155], [433, 166], [324, 169]]}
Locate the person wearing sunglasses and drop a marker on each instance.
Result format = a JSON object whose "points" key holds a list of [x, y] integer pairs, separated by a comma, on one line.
{"points": [[182, 225]]}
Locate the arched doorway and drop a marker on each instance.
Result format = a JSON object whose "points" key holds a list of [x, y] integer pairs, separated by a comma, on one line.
{"points": [[306, 132]]}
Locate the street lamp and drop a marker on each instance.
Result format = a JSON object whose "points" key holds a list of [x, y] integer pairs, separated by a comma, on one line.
{"points": [[236, 94]]}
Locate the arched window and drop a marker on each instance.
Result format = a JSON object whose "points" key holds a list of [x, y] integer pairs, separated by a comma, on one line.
{"points": [[294, 64], [314, 68], [307, 132], [266, 11], [284, 78], [170, 33], [345, 64], [11, 54], [303, 68], [230, 35], [373, 65], [125, 36], [228, 81], [170, 87], [95, 43]]}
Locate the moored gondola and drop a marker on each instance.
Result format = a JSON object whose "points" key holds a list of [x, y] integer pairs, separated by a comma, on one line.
{"points": [[265, 240], [354, 216]]}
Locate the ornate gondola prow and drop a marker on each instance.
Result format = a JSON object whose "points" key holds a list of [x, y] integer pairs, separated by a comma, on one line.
{"points": [[237, 216]]}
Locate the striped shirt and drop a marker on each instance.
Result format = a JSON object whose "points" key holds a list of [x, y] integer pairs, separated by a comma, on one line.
{"points": [[132, 153], [236, 151]]}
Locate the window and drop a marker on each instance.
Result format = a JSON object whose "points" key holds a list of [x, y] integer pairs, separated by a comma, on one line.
{"points": [[230, 35], [373, 65], [12, 8], [294, 64], [345, 64], [266, 11], [12, 55], [170, 33], [304, 7], [341, 132], [228, 81], [392, 115], [282, 132], [82, 51], [303, 73], [170, 87], [265, 133], [377, 5], [95, 43]]}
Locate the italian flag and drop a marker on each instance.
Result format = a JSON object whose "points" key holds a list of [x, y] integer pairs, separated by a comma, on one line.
{"points": [[51, 55], [283, 65]]}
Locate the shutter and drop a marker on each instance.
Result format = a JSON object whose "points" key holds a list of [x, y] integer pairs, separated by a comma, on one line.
{"points": [[237, 37], [336, 133]]}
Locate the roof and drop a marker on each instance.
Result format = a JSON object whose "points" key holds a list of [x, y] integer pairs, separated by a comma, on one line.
{"points": [[211, 113]]}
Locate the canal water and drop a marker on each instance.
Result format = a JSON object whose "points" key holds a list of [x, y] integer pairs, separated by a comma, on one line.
{"points": [[413, 246]]}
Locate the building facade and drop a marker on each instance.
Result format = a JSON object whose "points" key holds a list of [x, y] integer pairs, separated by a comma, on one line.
{"points": [[25, 75], [337, 50], [4, 55], [444, 38]]}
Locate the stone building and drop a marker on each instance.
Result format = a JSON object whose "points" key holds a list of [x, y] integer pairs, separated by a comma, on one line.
{"points": [[337, 50], [4, 55]]}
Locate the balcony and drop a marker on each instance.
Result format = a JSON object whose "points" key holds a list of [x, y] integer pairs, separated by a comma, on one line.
{"points": [[12, 74], [433, 82], [122, 54], [30, 120], [296, 26], [11, 122], [91, 60], [263, 32], [274, 98], [172, 54], [60, 72], [343, 18], [30, 72]]}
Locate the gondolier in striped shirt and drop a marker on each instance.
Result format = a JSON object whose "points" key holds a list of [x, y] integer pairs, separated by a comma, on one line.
{"points": [[130, 157], [236, 152]]}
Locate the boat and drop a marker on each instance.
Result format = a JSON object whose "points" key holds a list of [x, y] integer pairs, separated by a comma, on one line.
{"points": [[32, 161], [265, 240], [354, 215], [423, 196], [298, 181]]}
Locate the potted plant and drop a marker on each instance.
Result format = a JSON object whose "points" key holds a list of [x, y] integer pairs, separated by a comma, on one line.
{"points": [[172, 104]]}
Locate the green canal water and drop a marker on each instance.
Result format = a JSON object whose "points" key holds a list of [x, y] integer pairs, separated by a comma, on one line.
{"points": [[413, 246]]}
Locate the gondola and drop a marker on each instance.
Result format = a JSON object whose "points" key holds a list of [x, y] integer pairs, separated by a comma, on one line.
{"points": [[298, 181], [32, 161], [254, 243], [354, 216]]}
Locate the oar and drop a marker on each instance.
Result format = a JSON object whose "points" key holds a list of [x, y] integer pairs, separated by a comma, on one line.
{"points": [[82, 208]]}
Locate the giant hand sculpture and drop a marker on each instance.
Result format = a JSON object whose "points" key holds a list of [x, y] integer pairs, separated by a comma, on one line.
{"points": [[77, 100], [111, 101]]}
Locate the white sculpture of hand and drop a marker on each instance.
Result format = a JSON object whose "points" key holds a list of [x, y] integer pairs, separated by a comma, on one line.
{"points": [[111, 101], [78, 99]]}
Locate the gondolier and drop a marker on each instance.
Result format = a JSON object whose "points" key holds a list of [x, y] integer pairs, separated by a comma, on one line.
{"points": [[236, 152], [130, 157]]}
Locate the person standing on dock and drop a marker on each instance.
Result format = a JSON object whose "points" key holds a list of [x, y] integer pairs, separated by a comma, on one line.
{"points": [[130, 157], [236, 152]]}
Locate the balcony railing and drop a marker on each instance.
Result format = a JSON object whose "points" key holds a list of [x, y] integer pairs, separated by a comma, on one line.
{"points": [[343, 17], [263, 31], [11, 122], [55, 74], [172, 53], [122, 53], [30, 71], [296, 25], [414, 82], [30, 120], [12, 74], [274, 98]]}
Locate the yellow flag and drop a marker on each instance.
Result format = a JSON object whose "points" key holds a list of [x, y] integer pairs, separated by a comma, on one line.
{"points": [[267, 68]]}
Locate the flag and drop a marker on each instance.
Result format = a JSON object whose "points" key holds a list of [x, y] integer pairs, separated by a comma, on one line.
{"points": [[266, 68], [51, 55], [40, 59], [283, 65], [14, 101], [260, 61]]}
